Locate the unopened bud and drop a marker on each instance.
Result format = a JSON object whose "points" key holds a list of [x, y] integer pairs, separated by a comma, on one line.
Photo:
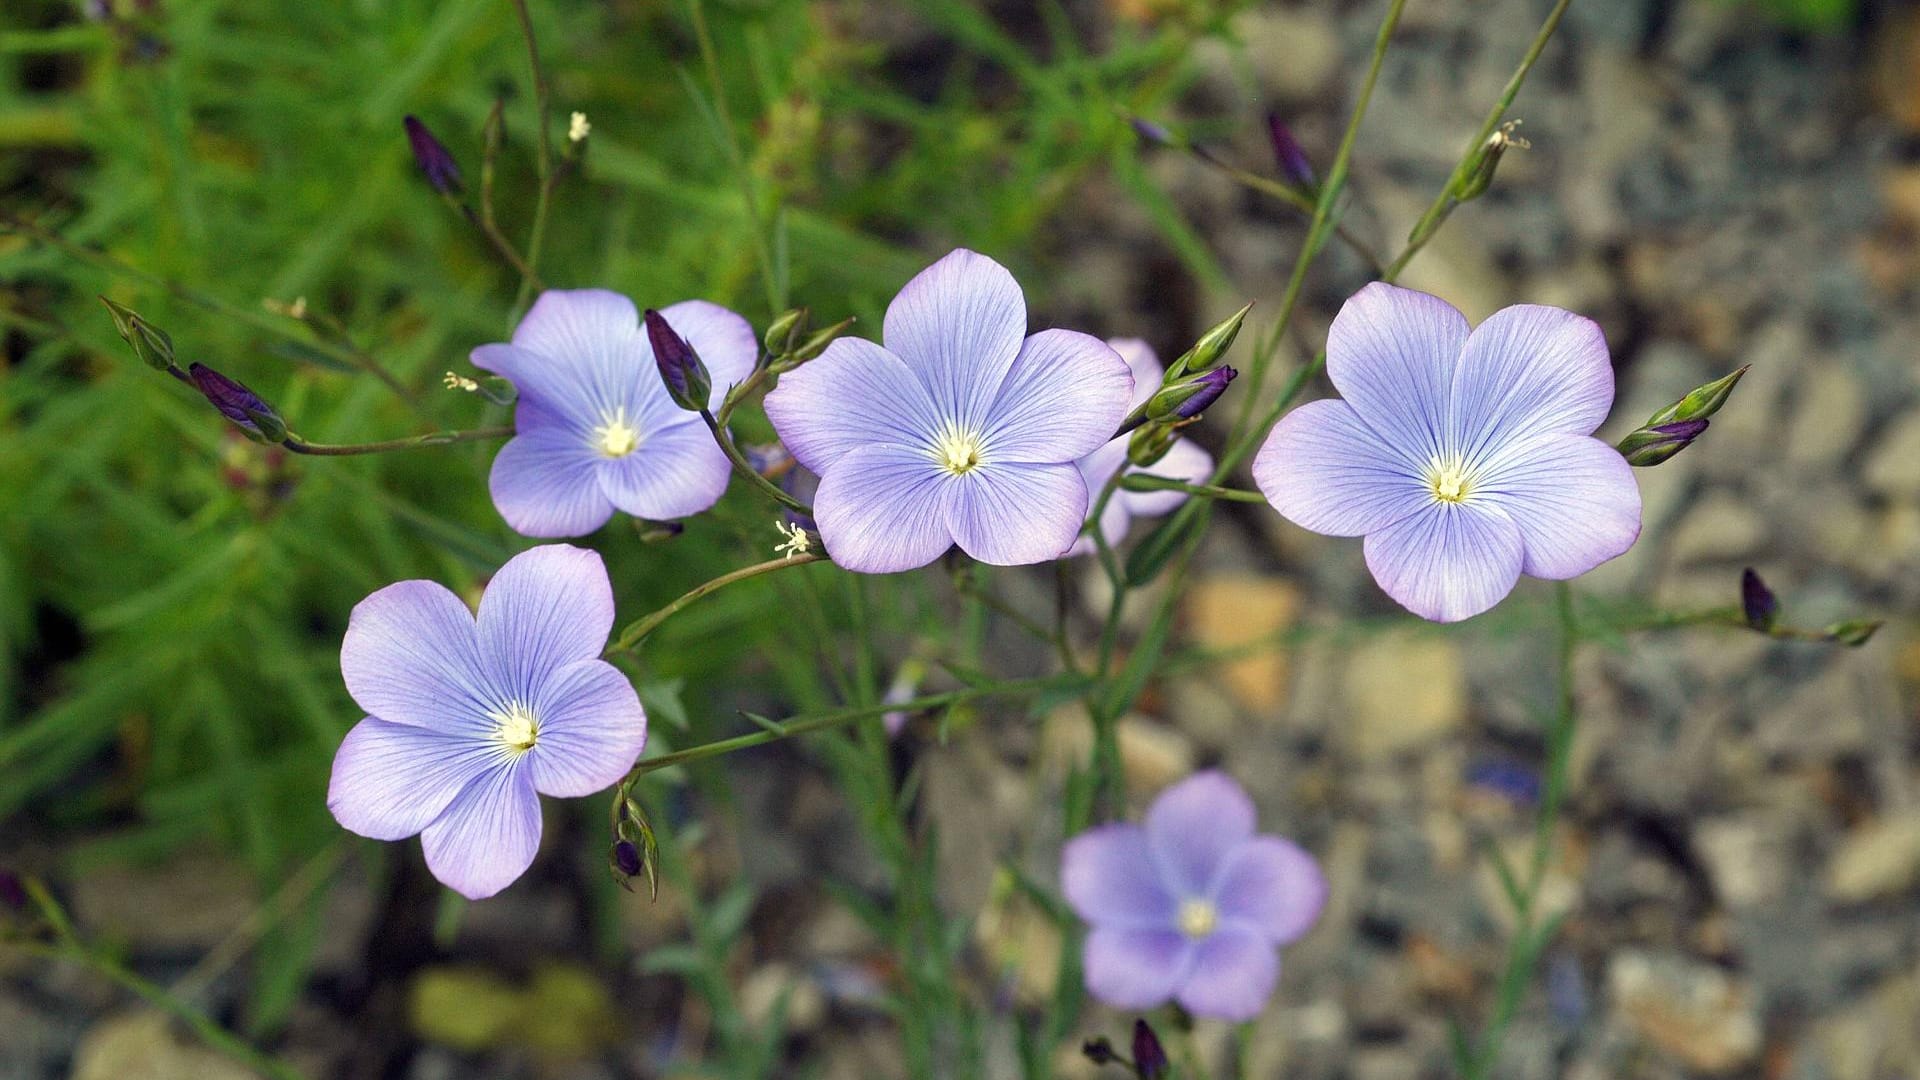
{"points": [[688, 383], [1099, 1051], [785, 332], [1152, 132], [1700, 402], [812, 347], [150, 343], [1649, 446], [435, 161], [1757, 602], [237, 403], [1149, 1057], [1187, 400], [1212, 345], [624, 859], [1480, 177], [1287, 153], [1151, 441], [1853, 632]]}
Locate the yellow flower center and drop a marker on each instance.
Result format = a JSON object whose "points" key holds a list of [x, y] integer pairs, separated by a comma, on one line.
{"points": [[616, 438], [1448, 481], [515, 729], [1198, 918], [957, 451]]}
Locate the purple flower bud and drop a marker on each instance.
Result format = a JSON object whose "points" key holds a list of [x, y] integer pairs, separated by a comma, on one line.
{"points": [[1650, 446], [237, 403], [435, 161], [1757, 601], [625, 858], [1149, 1057], [1288, 154], [1512, 781], [1099, 1051], [1152, 132], [1209, 387], [688, 383]]}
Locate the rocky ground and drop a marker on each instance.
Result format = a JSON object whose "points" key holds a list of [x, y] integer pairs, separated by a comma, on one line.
{"points": [[1740, 865]]}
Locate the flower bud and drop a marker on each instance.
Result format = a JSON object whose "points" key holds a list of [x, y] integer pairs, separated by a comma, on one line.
{"points": [[1150, 442], [150, 343], [1853, 632], [238, 404], [435, 161], [654, 532], [1757, 602], [1099, 1051], [688, 383], [13, 893], [1152, 132], [1187, 400], [1149, 1057], [811, 347], [785, 332], [1480, 176], [1287, 153], [1209, 348], [1648, 446], [624, 859], [1700, 402]]}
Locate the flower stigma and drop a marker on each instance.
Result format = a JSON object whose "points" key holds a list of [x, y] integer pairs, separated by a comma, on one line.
{"points": [[515, 729], [957, 451], [616, 438], [1198, 918], [1448, 481]]}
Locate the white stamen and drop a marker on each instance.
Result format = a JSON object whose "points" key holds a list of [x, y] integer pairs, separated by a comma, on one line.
{"points": [[615, 438], [1198, 918]]}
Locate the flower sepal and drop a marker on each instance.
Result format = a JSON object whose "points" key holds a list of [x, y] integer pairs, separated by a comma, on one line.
{"points": [[1700, 402], [1649, 446], [150, 343], [1209, 348]]}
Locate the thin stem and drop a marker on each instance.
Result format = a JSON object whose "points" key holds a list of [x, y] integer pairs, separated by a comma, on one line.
{"points": [[637, 631], [1150, 482], [434, 438], [802, 725], [745, 468], [543, 157], [736, 158]]}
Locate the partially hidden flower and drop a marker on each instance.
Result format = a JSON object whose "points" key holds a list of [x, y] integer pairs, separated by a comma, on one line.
{"points": [[432, 156], [472, 718], [1192, 905], [1150, 1060], [1184, 461], [961, 429], [1464, 458], [1758, 604], [594, 427]]}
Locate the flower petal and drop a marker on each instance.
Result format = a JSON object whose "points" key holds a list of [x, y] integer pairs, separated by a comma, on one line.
{"points": [[1110, 878], [676, 471], [1530, 370], [489, 834], [881, 509], [546, 608], [592, 728], [544, 483], [1325, 470], [392, 780], [1392, 353], [1233, 974], [1135, 969], [958, 325], [724, 340], [411, 657], [1145, 365], [852, 395], [1062, 399], [1272, 885], [1574, 498], [588, 324], [1194, 825], [1185, 461], [1095, 470], [1010, 514], [1449, 561]]}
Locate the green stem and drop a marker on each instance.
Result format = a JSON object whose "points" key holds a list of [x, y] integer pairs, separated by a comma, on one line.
{"points": [[745, 468], [749, 190], [543, 157], [637, 631], [434, 438], [1150, 482]]}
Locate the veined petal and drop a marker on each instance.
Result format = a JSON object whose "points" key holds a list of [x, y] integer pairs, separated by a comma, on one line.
{"points": [[544, 483], [958, 325], [724, 340], [1574, 498], [1185, 461], [676, 471], [592, 729], [1448, 562], [1110, 878], [588, 324], [881, 509], [1529, 370], [1095, 470], [1194, 825], [1233, 974], [852, 395], [1136, 969], [546, 608], [487, 837], [1272, 885], [1392, 353], [1013, 514], [392, 780], [1325, 470], [411, 657], [1062, 399], [1145, 365]]}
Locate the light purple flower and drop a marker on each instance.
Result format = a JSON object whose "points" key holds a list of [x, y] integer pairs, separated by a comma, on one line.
{"points": [[1191, 905], [1465, 459], [1185, 461], [961, 430], [471, 717], [594, 428]]}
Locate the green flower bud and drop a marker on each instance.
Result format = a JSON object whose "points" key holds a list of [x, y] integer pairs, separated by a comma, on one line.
{"points": [[150, 343], [1211, 346], [1853, 632], [1700, 402], [1480, 176], [785, 332]]}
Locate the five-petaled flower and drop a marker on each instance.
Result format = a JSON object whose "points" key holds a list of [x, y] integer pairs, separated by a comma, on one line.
{"points": [[471, 719], [1465, 459], [961, 430], [595, 430], [1191, 905], [1186, 461]]}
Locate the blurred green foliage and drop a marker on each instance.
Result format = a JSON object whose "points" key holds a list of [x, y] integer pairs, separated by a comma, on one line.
{"points": [[1812, 14]]}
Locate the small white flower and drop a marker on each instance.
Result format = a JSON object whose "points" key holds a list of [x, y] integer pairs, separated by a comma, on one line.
{"points": [[578, 128]]}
